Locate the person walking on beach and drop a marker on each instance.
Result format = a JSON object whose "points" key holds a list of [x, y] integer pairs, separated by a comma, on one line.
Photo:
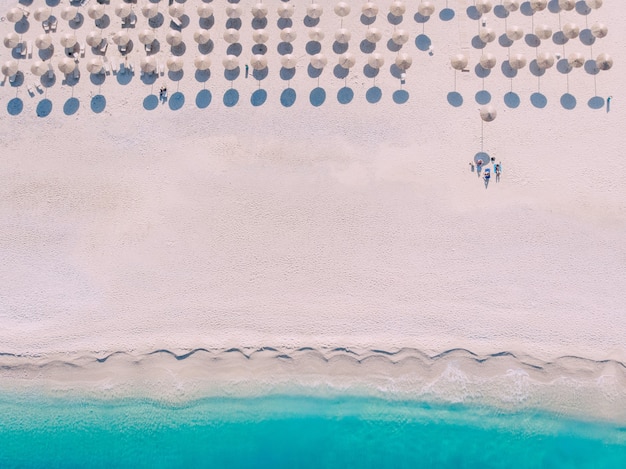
{"points": [[247, 68], [498, 169]]}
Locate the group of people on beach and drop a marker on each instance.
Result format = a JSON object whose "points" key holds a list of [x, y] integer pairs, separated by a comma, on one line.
{"points": [[480, 164]]}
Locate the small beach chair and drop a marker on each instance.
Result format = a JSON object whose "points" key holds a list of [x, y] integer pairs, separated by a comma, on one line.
{"points": [[114, 66], [26, 11], [12, 78], [76, 73], [82, 49], [53, 25], [50, 70], [132, 20], [107, 68], [149, 48], [31, 90], [38, 87], [104, 45], [176, 21], [162, 68], [46, 26]]}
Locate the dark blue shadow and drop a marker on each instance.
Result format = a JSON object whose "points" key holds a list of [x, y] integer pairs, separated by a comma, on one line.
{"points": [[98, 103], [511, 100], [176, 101], [15, 106], [538, 100], [258, 97], [44, 108], [317, 96], [400, 96], [203, 99], [71, 106], [455, 99], [373, 94], [345, 95], [150, 102], [423, 42], [124, 78], [483, 97], [568, 101], [288, 97], [446, 14], [596, 102], [231, 97]]}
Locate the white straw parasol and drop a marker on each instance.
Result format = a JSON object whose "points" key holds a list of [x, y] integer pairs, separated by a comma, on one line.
{"points": [[342, 9], [148, 64], [285, 10], [538, 5], [38, 68], [11, 40], [487, 35], [289, 61], [514, 33], [576, 60], [177, 10], [42, 13], [488, 113], [511, 5], [488, 61], [346, 60], [599, 30], [94, 38], [123, 10], [314, 10], [570, 30], [400, 36], [426, 9], [146, 36], [604, 61], [202, 62], [260, 36], [517, 61], [233, 11], [202, 36], [231, 36], [259, 10], [318, 61], [205, 10], [567, 5], [342, 36], [373, 35], [150, 10], [95, 65], [288, 35], [43, 41], [121, 38], [69, 13], [397, 8], [14, 15], [369, 9], [403, 61], [543, 31], [230, 62], [545, 60], [258, 62], [483, 6], [316, 34], [66, 65], [376, 60], [458, 61], [173, 37], [68, 40], [174, 63]]}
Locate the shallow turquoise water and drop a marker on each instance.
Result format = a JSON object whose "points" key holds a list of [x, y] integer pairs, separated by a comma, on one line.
{"points": [[279, 431]]}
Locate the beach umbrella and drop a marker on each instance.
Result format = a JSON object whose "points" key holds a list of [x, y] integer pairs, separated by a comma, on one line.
{"points": [[146, 36], [373, 35], [176, 10], [260, 36], [68, 40], [69, 13], [403, 61], [9, 68], [289, 61], [487, 35], [43, 41], [369, 9], [514, 33], [123, 10], [397, 8], [38, 68], [174, 63], [14, 15], [94, 38], [205, 10], [150, 10], [342, 36], [173, 37], [202, 36], [96, 11], [95, 65], [316, 34], [545, 60], [288, 35], [488, 113], [511, 5], [11, 40], [259, 10], [488, 61], [42, 13], [258, 62], [66, 65], [346, 60], [148, 64], [567, 5], [570, 30], [576, 60], [230, 62], [202, 62], [376, 60], [426, 9], [595, 4], [604, 61], [458, 61], [319, 61], [483, 6], [285, 10], [538, 5], [517, 61], [543, 31], [121, 38], [400, 36], [342, 9], [314, 10], [233, 11], [231, 36], [599, 30]]}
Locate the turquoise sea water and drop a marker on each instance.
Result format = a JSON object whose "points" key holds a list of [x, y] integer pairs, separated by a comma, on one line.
{"points": [[294, 432]]}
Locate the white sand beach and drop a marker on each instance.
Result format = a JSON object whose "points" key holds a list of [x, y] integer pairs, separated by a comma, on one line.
{"points": [[353, 221]]}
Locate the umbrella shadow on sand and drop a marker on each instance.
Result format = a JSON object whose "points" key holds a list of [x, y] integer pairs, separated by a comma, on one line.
{"points": [[231, 97], [317, 97]]}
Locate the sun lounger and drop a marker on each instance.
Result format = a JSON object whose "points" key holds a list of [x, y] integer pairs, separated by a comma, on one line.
{"points": [[176, 21], [107, 68], [38, 87], [149, 48], [53, 25], [46, 26], [104, 46], [132, 20], [31, 91], [50, 70], [122, 48], [12, 78], [29, 49], [26, 11], [162, 68], [114, 65], [76, 73]]}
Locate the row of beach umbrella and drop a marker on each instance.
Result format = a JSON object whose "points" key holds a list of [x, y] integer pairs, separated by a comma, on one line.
{"points": [[485, 6], [544, 61], [543, 31]]}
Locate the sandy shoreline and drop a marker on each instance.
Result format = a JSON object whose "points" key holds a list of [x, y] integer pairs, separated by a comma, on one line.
{"points": [[357, 226]]}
